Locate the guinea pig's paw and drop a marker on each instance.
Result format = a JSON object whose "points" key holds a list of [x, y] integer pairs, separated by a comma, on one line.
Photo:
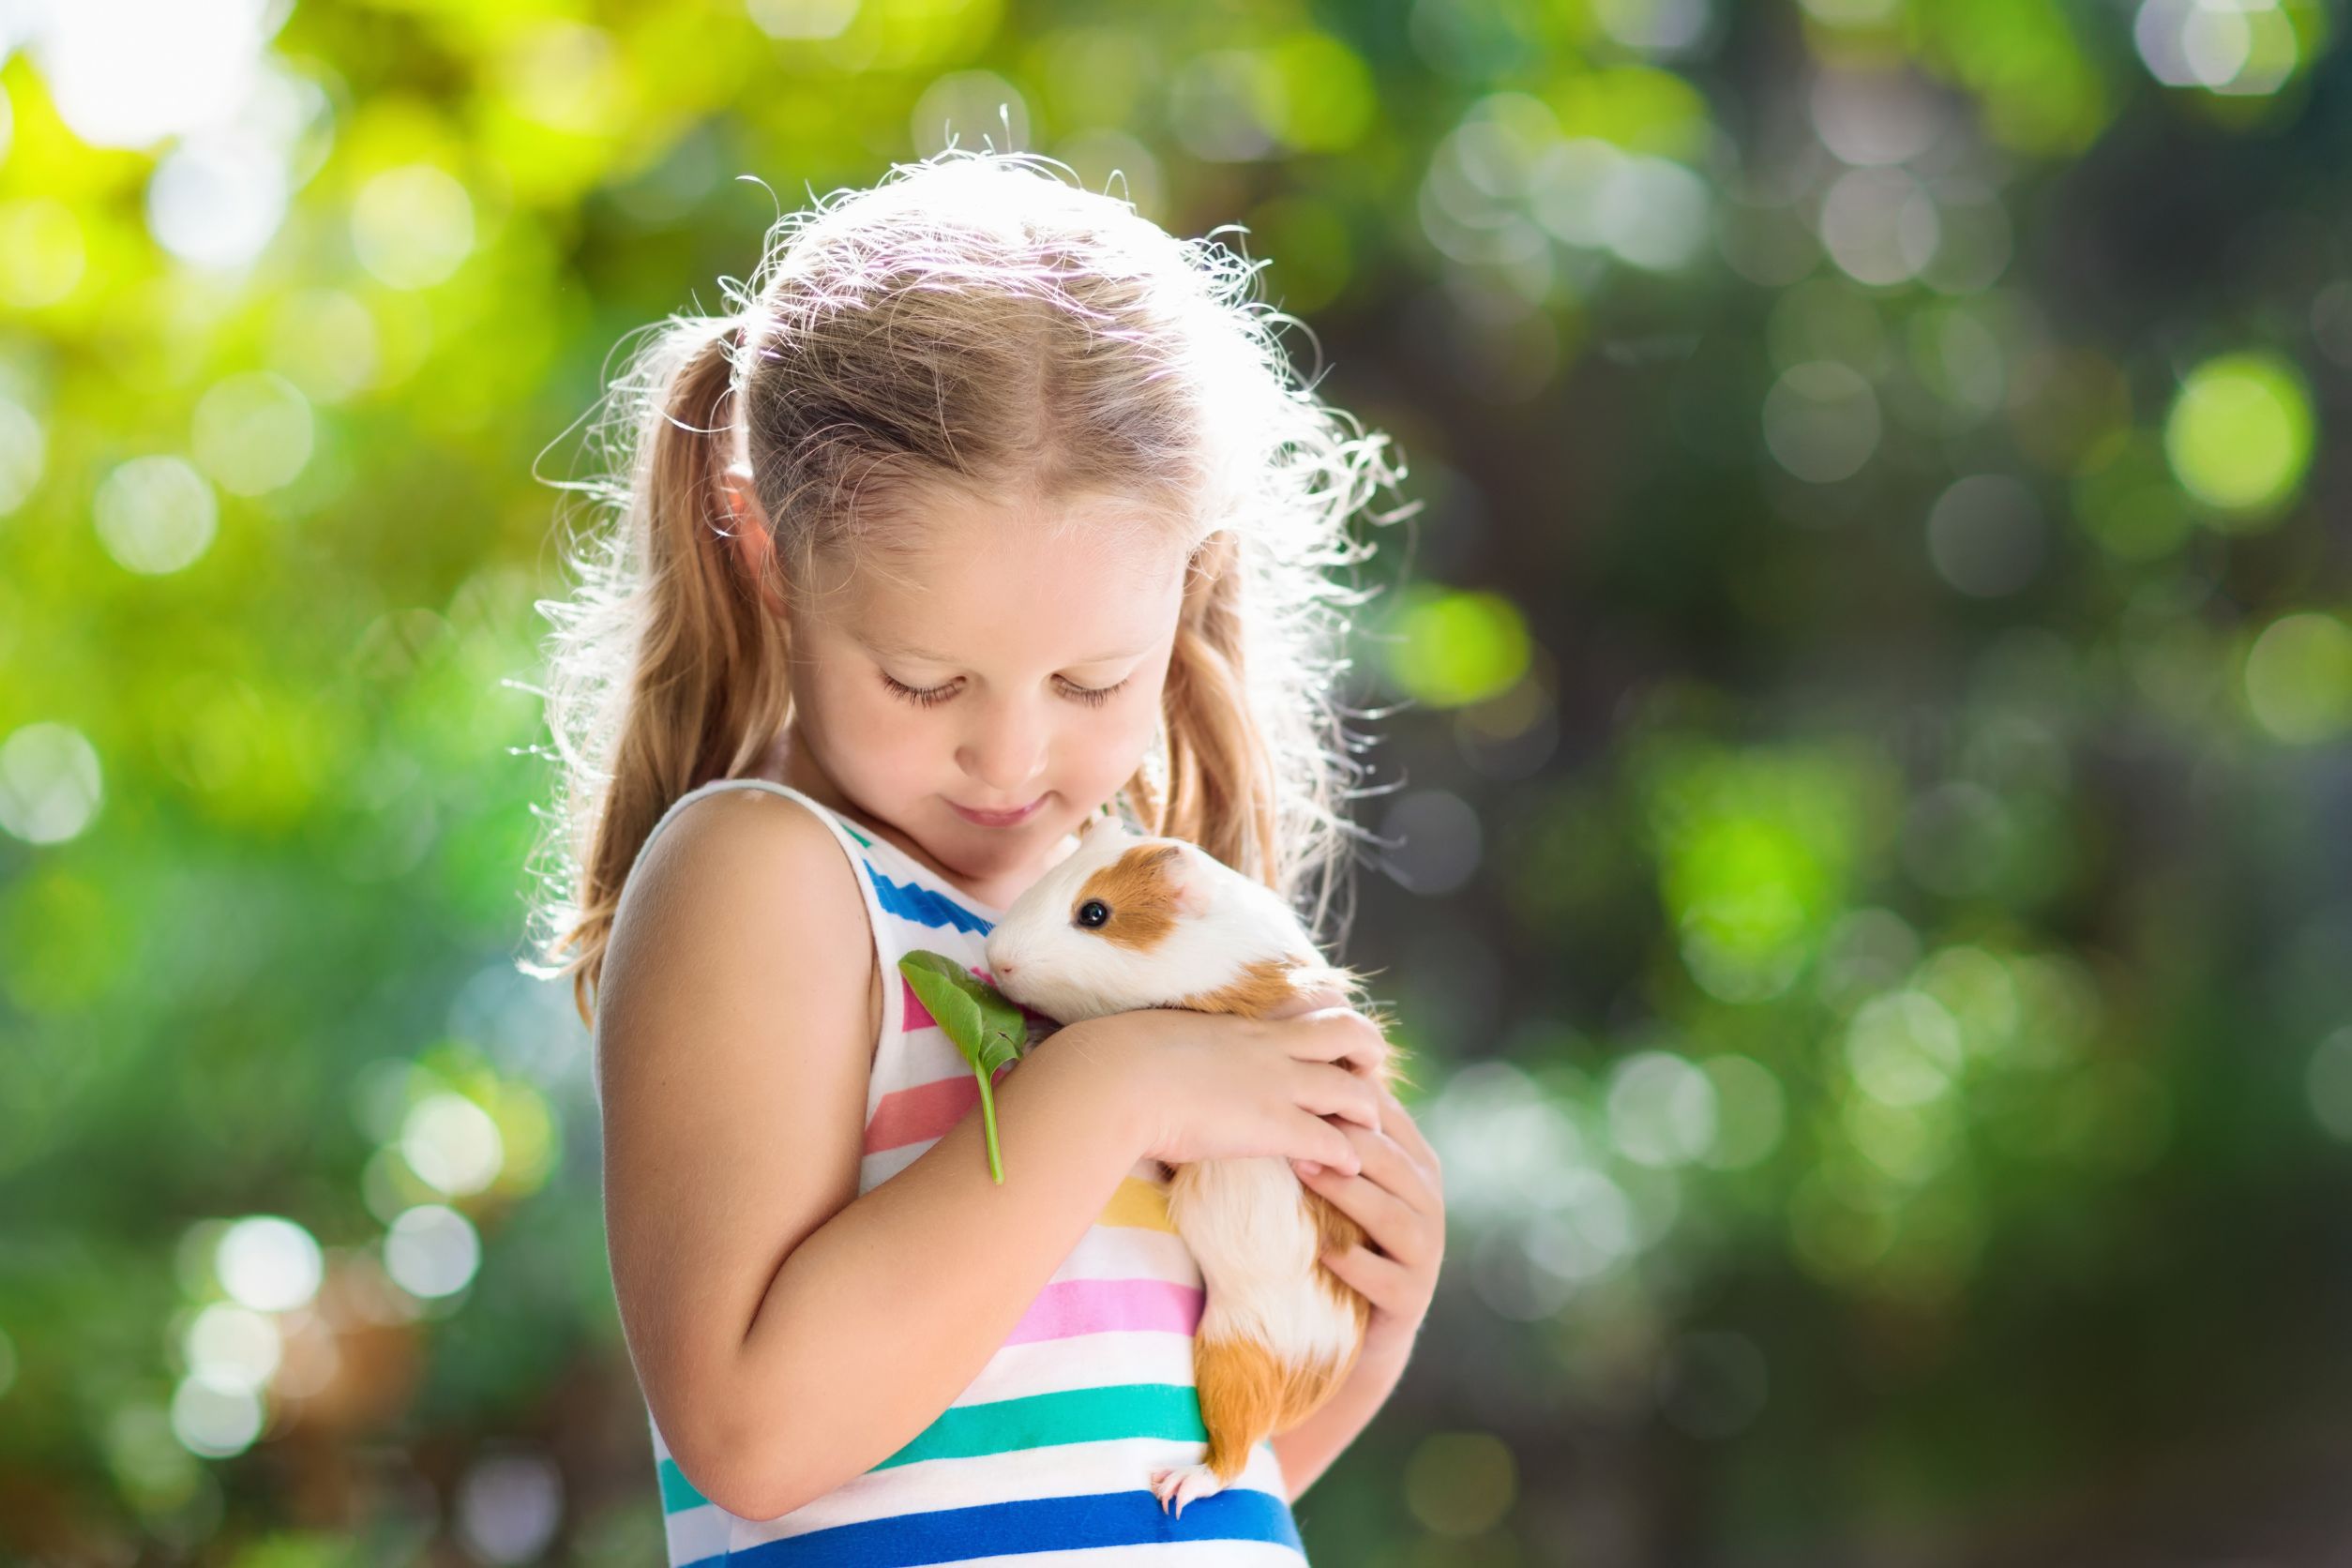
{"points": [[1181, 1486]]}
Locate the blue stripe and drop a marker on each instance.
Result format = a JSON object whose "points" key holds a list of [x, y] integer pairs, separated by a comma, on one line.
{"points": [[923, 906], [1042, 1525]]}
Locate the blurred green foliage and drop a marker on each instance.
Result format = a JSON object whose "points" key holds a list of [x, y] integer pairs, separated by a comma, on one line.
{"points": [[1866, 881]]}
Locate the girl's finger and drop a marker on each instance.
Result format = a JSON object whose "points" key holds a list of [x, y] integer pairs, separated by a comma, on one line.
{"points": [[1392, 1226], [1380, 1279], [1398, 1123], [1387, 1163], [1332, 1153], [1349, 1038]]}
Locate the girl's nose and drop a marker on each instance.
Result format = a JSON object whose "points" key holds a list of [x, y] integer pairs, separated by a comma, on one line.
{"points": [[1007, 753]]}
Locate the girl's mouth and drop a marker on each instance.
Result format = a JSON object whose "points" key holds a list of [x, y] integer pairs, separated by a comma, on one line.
{"points": [[998, 819]]}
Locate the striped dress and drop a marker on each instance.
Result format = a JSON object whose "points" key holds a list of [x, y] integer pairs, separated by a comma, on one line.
{"points": [[1047, 1457]]}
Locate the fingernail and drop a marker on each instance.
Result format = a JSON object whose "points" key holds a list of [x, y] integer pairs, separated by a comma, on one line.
{"points": [[1307, 1167]]}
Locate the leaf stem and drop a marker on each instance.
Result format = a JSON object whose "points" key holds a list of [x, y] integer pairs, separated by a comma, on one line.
{"points": [[988, 1122]]}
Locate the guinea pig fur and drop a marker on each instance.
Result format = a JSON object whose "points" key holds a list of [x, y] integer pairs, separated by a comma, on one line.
{"points": [[1125, 923]]}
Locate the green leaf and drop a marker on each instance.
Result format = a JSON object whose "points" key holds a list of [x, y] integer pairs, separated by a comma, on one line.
{"points": [[988, 1029]]}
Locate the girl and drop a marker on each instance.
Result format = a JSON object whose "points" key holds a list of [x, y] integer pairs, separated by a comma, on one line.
{"points": [[989, 510]]}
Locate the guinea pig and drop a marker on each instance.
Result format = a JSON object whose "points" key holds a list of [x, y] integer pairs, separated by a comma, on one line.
{"points": [[1128, 922]]}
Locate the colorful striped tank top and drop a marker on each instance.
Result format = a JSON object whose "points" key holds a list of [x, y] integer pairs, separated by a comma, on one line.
{"points": [[1047, 1457]]}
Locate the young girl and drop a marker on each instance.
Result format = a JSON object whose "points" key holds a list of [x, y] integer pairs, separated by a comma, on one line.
{"points": [[990, 509]]}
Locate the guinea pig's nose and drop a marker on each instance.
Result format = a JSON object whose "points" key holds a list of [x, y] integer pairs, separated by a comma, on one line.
{"points": [[1003, 968]]}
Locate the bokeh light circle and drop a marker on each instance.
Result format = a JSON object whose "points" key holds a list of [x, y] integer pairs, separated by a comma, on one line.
{"points": [[432, 1251], [155, 514], [1662, 1109], [1986, 536], [48, 783], [453, 1144], [2240, 434], [217, 199], [23, 454], [413, 226], [270, 1263], [1902, 1047], [233, 1345], [215, 1419], [1821, 421], [252, 432], [2299, 677]]}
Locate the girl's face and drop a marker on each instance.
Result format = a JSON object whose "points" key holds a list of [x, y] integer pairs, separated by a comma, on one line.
{"points": [[1016, 667]]}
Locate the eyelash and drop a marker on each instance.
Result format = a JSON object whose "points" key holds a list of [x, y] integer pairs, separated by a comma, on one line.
{"points": [[926, 697]]}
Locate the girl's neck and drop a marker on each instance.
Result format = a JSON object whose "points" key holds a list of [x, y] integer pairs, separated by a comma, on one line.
{"points": [[785, 763]]}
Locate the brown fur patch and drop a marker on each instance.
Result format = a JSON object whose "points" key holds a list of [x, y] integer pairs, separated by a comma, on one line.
{"points": [[1263, 984], [1143, 909], [1248, 1397], [1246, 1394], [1241, 1388]]}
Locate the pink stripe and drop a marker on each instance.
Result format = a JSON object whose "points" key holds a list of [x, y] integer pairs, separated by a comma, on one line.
{"points": [[924, 1112], [929, 1109], [918, 1015], [1073, 1307]]}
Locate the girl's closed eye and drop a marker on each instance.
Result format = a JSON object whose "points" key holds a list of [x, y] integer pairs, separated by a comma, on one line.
{"points": [[1093, 697]]}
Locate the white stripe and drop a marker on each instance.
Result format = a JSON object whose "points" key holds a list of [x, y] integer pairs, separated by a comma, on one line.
{"points": [[1088, 1361], [923, 1056], [874, 1170], [1130, 1252], [695, 1533]]}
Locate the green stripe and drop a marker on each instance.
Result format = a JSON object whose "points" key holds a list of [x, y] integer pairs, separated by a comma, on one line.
{"points": [[1048, 1420], [677, 1492], [855, 833]]}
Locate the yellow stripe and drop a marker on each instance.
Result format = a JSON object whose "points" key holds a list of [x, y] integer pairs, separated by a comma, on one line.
{"points": [[1138, 1203]]}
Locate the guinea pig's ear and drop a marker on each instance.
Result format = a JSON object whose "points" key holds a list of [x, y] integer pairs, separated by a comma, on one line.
{"points": [[1189, 879]]}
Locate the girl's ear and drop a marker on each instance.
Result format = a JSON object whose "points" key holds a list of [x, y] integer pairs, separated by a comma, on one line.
{"points": [[748, 532]]}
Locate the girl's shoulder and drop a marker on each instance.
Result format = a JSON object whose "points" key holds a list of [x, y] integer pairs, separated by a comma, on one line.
{"points": [[726, 850], [753, 807], [754, 897]]}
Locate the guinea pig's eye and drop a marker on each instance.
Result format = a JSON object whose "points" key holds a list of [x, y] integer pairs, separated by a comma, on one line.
{"points": [[1092, 912]]}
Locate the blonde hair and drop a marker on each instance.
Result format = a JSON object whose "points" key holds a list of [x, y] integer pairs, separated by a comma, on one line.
{"points": [[974, 321]]}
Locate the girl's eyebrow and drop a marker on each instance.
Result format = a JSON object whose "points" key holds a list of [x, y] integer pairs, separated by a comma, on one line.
{"points": [[907, 649]]}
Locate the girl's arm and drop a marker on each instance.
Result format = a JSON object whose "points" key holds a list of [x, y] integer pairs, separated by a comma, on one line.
{"points": [[890, 1310], [791, 1334]]}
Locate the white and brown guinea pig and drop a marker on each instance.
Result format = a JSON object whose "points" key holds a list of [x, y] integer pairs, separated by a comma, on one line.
{"points": [[1125, 923]]}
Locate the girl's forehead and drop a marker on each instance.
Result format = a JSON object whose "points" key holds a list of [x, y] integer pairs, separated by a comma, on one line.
{"points": [[1075, 588]]}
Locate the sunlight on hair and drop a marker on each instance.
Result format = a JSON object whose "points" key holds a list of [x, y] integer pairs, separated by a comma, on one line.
{"points": [[866, 354]]}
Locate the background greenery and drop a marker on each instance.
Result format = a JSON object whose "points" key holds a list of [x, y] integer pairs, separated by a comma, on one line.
{"points": [[1867, 877]]}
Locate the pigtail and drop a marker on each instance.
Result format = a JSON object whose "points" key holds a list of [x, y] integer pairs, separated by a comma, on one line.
{"points": [[1220, 786], [706, 684]]}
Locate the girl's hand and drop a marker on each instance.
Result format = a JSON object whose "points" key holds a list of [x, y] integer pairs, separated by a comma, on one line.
{"points": [[1211, 1086], [1399, 1200]]}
